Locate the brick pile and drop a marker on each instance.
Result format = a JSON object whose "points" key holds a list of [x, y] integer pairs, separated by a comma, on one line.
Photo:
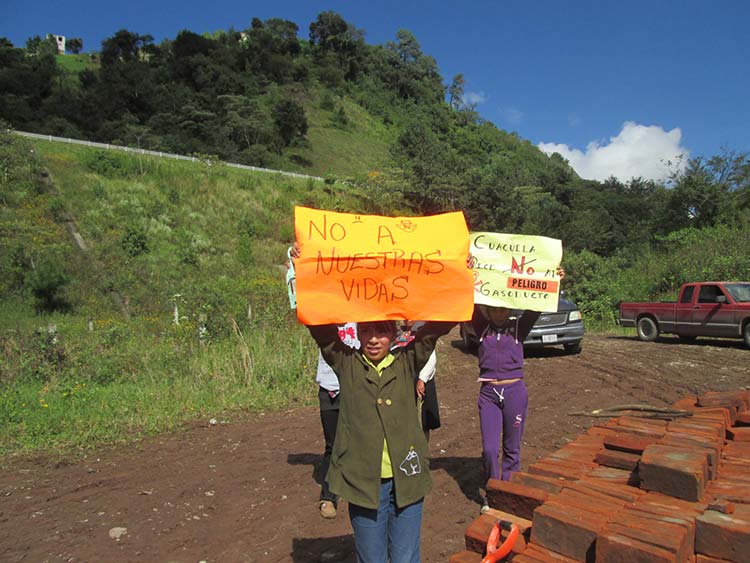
{"points": [[634, 489]]}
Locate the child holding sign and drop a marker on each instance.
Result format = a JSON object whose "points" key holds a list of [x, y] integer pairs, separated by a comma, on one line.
{"points": [[379, 458], [503, 398]]}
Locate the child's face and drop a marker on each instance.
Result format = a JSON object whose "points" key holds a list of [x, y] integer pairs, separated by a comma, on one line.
{"points": [[376, 338], [498, 315]]}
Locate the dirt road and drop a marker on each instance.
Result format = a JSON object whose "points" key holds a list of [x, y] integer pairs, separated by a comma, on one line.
{"points": [[244, 490]]}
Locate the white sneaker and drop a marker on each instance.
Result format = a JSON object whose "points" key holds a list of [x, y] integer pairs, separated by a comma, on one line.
{"points": [[485, 506]]}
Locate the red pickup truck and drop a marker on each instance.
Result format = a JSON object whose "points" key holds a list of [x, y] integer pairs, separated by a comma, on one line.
{"points": [[702, 309]]}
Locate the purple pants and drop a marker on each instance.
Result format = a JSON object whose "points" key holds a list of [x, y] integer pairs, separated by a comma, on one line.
{"points": [[502, 411]]}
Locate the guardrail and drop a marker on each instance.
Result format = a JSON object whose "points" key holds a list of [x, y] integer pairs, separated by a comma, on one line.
{"points": [[107, 146]]}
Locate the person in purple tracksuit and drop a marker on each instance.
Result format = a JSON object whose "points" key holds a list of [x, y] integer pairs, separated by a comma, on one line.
{"points": [[503, 398]]}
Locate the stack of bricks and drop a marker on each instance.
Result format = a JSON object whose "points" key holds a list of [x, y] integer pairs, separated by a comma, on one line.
{"points": [[634, 489]]}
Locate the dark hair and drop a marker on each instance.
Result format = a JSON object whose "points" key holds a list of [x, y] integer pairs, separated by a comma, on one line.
{"points": [[389, 326]]}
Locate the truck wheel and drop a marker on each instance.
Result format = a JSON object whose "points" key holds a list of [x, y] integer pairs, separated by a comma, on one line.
{"points": [[573, 348], [647, 329], [746, 334]]}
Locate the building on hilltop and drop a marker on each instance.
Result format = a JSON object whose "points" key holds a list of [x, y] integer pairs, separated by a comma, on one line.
{"points": [[60, 41]]}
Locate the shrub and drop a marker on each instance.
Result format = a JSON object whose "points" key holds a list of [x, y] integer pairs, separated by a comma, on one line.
{"points": [[135, 240], [46, 283]]}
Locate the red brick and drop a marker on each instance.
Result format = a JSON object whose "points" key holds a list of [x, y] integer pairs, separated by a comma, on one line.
{"points": [[685, 404], [466, 557], [728, 415], [613, 490], [711, 448], [725, 536], [549, 484], [740, 396], [576, 452], [590, 500], [700, 558], [570, 471], [514, 498], [739, 451], [613, 427], [612, 547], [629, 443], [671, 534], [674, 471], [739, 433], [477, 532], [666, 504], [539, 553], [730, 491], [645, 424], [566, 529], [737, 471], [617, 459], [706, 426], [612, 475]]}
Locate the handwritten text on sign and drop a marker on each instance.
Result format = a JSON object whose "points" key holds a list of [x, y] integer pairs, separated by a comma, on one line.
{"points": [[369, 267], [516, 271]]}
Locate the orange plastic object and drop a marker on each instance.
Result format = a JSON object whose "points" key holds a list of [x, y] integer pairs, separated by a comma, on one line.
{"points": [[497, 553]]}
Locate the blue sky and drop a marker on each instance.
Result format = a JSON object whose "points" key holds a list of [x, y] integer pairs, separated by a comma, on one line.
{"points": [[617, 87]]}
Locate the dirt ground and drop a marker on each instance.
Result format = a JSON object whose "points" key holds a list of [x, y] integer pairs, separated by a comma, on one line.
{"points": [[245, 489]]}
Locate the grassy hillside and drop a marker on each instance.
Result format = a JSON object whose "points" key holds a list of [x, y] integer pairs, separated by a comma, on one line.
{"points": [[92, 352], [343, 139]]}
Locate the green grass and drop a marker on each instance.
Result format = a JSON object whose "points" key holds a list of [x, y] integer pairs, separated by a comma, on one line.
{"points": [[159, 233], [72, 65], [125, 380], [351, 150]]}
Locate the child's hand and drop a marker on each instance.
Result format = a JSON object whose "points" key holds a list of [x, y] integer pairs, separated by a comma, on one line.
{"points": [[420, 388], [294, 251]]}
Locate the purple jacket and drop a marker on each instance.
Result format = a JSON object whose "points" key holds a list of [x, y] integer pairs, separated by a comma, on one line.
{"points": [[501, 348]]}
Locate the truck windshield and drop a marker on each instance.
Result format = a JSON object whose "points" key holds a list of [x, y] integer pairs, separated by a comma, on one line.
{"points": [[740, 292]]}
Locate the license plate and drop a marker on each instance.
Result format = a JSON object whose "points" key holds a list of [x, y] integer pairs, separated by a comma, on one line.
{"points": [[549, 338]]}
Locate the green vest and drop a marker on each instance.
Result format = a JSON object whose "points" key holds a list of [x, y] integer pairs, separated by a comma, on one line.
{"points": [[374, 408]]}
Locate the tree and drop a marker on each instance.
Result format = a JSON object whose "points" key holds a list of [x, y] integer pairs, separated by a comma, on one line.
{"points": [[74, 45], [290, 120], [456, 92], [125, 46]]}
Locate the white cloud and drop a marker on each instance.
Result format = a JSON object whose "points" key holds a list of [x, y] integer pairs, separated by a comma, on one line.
{"points": [[637, 150], [512, 115], [474, 98]]}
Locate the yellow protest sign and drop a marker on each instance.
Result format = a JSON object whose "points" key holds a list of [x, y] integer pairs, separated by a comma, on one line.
{"points": [[369, 267], [516, 271]]}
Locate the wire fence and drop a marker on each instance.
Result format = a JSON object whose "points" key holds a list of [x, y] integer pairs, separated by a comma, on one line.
{"points": [[107, 146]]}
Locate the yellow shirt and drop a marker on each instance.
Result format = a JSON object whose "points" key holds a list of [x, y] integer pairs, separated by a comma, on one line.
{"points": [[386, 469]]}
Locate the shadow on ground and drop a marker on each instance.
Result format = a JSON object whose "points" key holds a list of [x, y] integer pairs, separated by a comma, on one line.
{"points": [[315, 461], [466, 471], [313, 550]]}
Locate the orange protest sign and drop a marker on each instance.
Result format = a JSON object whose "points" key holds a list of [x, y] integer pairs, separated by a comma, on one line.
{"points": [[369, 267]]}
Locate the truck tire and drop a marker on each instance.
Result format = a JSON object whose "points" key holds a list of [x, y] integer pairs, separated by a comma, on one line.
{"points": [[746, 333], [572, 348], [648, 331]]}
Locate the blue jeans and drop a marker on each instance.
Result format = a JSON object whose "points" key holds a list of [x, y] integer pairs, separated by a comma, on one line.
{"points": [[387, 531]]}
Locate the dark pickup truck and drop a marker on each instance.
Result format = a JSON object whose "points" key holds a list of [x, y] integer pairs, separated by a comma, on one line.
{"points": [[702, 309], [564, 327]]}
